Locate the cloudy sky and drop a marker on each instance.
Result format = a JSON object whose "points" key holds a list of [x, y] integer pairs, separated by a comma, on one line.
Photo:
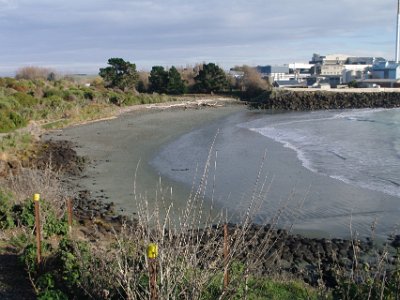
{"points": [[80, 35]]}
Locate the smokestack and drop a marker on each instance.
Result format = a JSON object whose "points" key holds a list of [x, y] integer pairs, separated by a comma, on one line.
{"points": [[398, 32]]}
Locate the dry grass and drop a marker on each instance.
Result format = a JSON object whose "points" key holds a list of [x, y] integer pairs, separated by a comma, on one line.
{"points": [[46, 182], [33, 72]]}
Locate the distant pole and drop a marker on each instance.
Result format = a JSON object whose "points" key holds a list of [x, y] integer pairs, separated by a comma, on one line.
{"points": [[69, 213], [36, 199], [397, 32], [226, 255]]}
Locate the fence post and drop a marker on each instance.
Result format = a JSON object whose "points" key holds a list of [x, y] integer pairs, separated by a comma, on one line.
{"points": [[226, 256], [69, 212], [152, 253], [36, 199]]}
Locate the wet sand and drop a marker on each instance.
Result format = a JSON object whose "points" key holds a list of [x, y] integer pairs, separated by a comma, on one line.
{"points": [[119, 151], [174, 144]]}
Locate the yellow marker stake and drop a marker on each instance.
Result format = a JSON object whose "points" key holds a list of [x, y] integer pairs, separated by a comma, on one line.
{"points": [[152, 251], [36, 198]]}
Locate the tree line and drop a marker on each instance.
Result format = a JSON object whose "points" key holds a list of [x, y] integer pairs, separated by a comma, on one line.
{"points": [[204, 78]]}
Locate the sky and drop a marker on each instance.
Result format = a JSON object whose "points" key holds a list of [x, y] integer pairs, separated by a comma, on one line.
{"points": [[79, 36]]}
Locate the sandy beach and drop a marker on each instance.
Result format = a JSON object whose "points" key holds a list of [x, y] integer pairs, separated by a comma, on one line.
{"points": [[119, 151], [173, 145]]}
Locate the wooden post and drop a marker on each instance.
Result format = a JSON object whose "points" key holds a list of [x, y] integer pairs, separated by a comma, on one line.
{"points": [[153, 278], [226, 256], [69, 212], [36, 199], [152, 253]]}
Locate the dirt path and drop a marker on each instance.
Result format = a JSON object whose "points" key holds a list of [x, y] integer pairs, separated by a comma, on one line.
{"points": [[14, 283]]}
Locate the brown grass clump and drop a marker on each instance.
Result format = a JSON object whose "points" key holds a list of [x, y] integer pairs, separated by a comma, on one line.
{"points": [[46, 182], [34, 72]]}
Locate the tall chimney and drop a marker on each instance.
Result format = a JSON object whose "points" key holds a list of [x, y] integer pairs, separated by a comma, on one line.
{"points": [[398, 32]]}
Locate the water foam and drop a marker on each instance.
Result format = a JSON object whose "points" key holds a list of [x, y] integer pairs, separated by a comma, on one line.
{"points": [[351, 163], [278, 137]]}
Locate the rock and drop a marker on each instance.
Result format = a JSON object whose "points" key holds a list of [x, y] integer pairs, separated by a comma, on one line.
{"points": [[60, 155], [9, 167], [396, 241]]}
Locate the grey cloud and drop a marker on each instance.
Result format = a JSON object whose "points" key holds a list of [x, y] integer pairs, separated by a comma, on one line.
{"points": [[176, 31]]}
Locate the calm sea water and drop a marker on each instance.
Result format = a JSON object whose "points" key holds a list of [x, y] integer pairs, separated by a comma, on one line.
{"points": [[359, 147], [347, 169]]}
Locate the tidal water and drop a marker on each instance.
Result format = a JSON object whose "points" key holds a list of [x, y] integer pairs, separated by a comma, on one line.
{"points": [[358, 147], [330, 172]]}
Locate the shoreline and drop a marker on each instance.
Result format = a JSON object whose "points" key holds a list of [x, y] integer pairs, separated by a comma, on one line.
{"points": [[144, 137], [292, 250], [140, 132]]}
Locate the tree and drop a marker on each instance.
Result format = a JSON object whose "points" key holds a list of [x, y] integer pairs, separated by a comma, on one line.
{"points": [[353, 84], [143, 82], [158, 79], [251, 83], [32, 72], [211, 78], [176, 85], [120, 74], [169, 82]]}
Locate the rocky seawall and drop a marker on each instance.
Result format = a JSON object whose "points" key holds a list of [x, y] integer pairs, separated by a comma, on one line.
{"points": [[317, 100]]}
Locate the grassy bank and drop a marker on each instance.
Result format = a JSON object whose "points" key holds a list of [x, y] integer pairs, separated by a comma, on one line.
{"points": [[61, 102]]}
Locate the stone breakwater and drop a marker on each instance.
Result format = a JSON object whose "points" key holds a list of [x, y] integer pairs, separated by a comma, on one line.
{"points": [[317, 100], [280, 252], [277, 251]]}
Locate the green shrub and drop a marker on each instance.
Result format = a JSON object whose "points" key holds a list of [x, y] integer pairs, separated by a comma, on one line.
{"points": [[8, 103], [47, 287], [257, 287], [8, 81], [6, 211], [68, 95], [77, 92], [74, 268], [53, 101], [27, 216], [53, 92], [132, 100], [52, 224], [25, 99], [29, 258], [115, 98], [10, 120], [20, 85], [370, 285], [88, 94], [40, 83], [20, 241], [52, 295], [17, 119]]}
